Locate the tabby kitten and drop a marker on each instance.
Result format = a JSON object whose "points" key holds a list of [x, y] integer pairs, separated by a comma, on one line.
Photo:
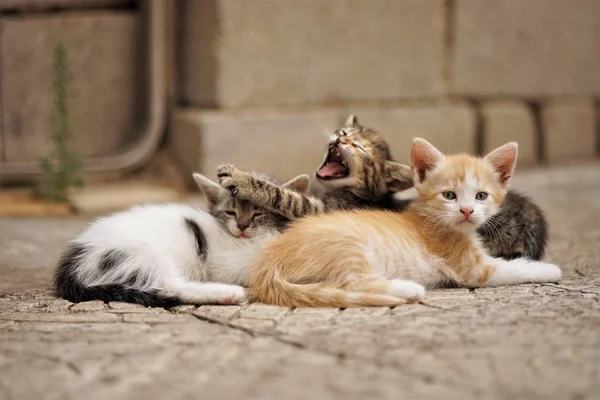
{"points": [[358, 172], [383, 258], [162, 255]]}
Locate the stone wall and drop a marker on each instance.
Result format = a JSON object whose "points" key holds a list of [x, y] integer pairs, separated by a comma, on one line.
{"points": [[259, 78], [105, 55], [260, 81]]}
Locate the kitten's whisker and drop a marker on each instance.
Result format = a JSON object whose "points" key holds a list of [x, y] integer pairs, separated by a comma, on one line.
{"points": [[329, 133]]}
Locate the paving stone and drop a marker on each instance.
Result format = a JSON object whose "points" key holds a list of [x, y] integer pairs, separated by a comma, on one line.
{"points": [[316, 310], [263, 311], [506, 121], [217, 313], [58, 317], [129, 308], [569, 128], [89, 306], [360, 313], [185, 309], [253, 324], [502, 50], [235, 56], [159, 318]]}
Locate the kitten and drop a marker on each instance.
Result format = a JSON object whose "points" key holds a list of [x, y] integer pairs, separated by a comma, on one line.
{"points": [[164, 255], [358, 172], [383, 258]]}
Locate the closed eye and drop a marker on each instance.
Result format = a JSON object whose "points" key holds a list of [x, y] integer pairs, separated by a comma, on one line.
{"points": [[258, 215], [231, 213]]}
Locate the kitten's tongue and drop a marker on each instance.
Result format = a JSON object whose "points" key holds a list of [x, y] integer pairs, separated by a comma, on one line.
{"points": [[332, 169]]}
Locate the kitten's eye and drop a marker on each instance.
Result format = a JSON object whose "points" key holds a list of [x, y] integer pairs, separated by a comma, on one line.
{"points": [[258, 215], [481, 195], [448, 195], [231, 213]]}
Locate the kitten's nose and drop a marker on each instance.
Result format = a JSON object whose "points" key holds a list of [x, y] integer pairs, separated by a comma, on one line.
{"points": [[466, 211], [242, 227], [343, 140]]}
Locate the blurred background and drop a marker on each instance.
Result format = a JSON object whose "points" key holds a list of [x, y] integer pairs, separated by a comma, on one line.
{"points": [[159, 88]]}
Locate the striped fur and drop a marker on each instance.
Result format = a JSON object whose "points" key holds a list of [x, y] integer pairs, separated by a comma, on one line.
{"points": [[375, 258], [518, 230], [372, 178]]}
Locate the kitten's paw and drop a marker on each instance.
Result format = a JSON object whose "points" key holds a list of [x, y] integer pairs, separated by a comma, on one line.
{"points": [[229, 294], [408, 290], [225, 170], [230, 178], [548, 272]]}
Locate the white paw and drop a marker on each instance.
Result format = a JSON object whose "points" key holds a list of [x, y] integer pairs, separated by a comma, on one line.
{"points": [[233, 295], [225, 294], [549, 272], [410, 291]]}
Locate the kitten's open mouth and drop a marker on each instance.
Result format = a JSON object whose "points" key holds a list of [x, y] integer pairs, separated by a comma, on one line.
{"points": [[334, 166]]}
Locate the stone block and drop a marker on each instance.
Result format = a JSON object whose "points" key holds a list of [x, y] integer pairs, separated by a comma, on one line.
{"points": [[448, 126], [254, 325], [283, 143], [538, 48], [506, 121], [102, 50], [288, 143], [95, 305], [569, 128], [217, 313], [255, 52], [263, 311]]}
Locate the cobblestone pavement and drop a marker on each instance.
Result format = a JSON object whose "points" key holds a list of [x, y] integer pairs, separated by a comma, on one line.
{"points": [[530, 341]]}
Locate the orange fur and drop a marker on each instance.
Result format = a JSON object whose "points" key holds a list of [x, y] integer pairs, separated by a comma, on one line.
{"points": [[355, 258]]}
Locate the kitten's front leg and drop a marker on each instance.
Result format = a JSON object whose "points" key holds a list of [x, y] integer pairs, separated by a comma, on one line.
{"points": [[521, 270], [243, 185]]}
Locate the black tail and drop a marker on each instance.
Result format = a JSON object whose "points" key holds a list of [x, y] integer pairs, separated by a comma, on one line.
{"points": [[69, 288]]}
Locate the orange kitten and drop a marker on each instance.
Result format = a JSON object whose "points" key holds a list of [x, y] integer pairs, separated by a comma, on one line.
{"points": [[382, 258]]}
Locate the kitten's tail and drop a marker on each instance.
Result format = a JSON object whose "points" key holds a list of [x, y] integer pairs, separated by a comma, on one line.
{"points": [[276, 290], [67, 286], [77, 293]]}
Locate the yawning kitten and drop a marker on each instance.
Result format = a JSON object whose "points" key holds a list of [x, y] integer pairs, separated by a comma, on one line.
{"points": [[382, 258]]}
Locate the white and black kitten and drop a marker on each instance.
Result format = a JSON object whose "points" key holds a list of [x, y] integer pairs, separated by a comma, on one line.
{"points": [[169, 254]]}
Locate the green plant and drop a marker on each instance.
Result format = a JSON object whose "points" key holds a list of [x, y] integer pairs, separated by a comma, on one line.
{"points": [[62, 166]]}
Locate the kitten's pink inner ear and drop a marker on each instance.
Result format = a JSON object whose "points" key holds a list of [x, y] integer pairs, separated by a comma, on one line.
{"points": [[424, 157], [504, 160]]}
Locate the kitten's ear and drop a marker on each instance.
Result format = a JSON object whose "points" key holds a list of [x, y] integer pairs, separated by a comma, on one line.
{"points": [[212, 191], [423, 157], [504, 161], [300, 184], [351, 121], [398, 177]]}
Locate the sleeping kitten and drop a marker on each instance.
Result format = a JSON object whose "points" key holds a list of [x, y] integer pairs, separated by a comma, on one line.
{"points": [[382, 258], [358, 172], [164, 255]]}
